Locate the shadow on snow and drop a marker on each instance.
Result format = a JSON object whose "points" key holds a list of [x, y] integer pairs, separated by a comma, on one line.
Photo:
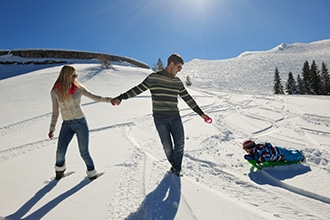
{"points": [[42, 211], [162, 203], [279, 172], [273, 177]]}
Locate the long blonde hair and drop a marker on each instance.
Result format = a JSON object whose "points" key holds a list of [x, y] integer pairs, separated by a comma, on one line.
{"points": [[63, 82]]}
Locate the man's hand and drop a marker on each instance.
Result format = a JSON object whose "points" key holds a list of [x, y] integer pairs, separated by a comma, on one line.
{"points": [[206, 118]]}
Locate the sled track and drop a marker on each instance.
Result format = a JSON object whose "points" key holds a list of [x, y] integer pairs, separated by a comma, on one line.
{"points": [[28, 122], [214, 171], [212, 168], [23, 149], [22, 124], [30, 147], [196, 172], [138, 146]]}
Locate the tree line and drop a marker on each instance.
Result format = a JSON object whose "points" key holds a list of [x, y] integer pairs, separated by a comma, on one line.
{"points": [[311, 82]]}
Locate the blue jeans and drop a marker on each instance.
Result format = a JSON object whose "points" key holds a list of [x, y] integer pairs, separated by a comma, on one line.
{"points": [[68, 129], [171, 129]]}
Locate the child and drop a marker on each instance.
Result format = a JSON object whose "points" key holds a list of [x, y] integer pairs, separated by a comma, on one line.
{"points": [[268, 152]]}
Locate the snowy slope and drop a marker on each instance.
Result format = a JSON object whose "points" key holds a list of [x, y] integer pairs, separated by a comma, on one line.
{"points": [[217, 182], [253, 72]]}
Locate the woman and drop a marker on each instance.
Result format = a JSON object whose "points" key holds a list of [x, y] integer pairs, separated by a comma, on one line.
{"points": [[66, 96], [268, 152]]}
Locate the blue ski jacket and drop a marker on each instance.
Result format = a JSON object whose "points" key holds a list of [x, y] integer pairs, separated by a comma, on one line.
{"points": [[268, 152]]}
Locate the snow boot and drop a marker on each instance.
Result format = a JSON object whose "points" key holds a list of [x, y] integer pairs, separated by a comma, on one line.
{"points": [[175, 172], [92, 174], [303, 160], [59, 172]]}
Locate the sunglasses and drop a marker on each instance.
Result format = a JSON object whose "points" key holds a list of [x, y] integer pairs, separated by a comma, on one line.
{"points": [[75, 75], [179, 66]]}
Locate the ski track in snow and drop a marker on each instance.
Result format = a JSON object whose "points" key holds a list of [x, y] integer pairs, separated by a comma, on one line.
{"points": [[30, 147], [275, 124], [22, 124], [197, 168], [28, 122], [205, 166], [149, 214]]}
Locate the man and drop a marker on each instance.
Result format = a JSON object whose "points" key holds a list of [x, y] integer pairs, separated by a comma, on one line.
{"points": [[165, 87]]}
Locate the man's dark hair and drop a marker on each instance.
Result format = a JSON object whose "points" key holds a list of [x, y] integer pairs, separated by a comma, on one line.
{"points": [[175, 58]]}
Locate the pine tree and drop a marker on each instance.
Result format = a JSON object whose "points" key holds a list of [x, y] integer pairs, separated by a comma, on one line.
{"points": [[105, 62], [300, 85], [325, 80], [306, 79], [159, 66], [291, 85], [278, 88], [188, 81], [315, 79]]}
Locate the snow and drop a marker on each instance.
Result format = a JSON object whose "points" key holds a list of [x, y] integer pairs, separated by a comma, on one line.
{"points": [[217, 182]]}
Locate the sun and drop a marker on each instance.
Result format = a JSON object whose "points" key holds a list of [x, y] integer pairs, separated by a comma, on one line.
{"points": [[196, 9], [194, 6]]}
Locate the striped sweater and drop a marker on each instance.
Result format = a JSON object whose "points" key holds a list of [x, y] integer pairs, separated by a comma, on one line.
{"points": [[165, 89]]}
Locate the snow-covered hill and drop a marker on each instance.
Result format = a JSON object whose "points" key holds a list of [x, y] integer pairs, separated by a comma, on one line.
{"points": [[253, 72], [217, 181]]}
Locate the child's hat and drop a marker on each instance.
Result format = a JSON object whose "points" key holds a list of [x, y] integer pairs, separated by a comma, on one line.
{"points": [[248, 144]]}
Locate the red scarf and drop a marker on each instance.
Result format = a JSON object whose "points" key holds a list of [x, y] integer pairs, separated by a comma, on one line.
{"points": [[71, 90]]}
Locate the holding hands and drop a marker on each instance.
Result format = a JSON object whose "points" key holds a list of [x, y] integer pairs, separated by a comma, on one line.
{"points": [[115, 101]]}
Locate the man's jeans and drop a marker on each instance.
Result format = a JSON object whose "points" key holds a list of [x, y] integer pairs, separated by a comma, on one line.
{"points": [[68, 129], [169, 128]]}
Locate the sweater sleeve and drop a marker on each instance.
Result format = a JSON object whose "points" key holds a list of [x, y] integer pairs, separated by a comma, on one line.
{"points": [[145, 85], [93, 96], [190, 101], [55, 111]]}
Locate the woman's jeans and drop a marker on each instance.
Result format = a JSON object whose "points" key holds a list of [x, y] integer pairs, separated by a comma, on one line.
{"points": [[168, 129], [68, 129]]}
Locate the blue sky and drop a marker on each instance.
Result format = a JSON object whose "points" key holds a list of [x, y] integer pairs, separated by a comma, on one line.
{"points": [[150, 29]]}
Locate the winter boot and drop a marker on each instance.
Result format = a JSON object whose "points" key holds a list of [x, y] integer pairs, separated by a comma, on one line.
{"points": [[92, 174], [175, 172], [59, 172], [303, 160]]}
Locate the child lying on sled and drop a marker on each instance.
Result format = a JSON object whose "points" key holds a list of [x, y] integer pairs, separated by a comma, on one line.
{"points": [[267, 152]]}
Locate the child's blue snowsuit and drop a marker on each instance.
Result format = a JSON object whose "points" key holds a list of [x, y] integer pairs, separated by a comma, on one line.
{"points": [[268, 152]]}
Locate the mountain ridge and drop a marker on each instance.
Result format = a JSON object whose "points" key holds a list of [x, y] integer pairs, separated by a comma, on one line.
{"points": [[12, 56], [253, 72]]}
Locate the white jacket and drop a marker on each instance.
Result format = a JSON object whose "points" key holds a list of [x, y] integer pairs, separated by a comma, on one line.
{"points": [[71, 107]]}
